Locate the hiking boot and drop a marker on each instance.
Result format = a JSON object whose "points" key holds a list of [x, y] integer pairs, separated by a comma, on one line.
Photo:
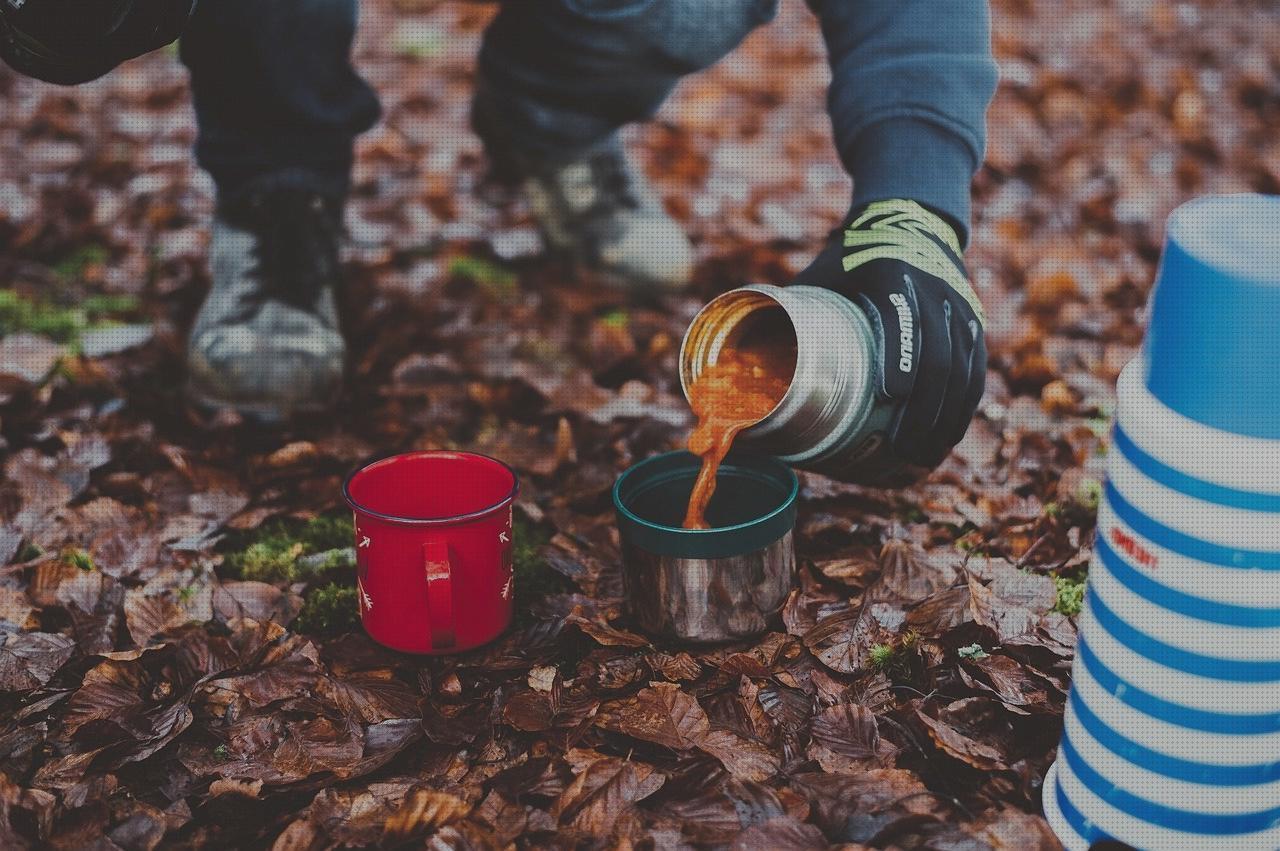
{"points": [[600, 210], [266, 341], [597, 209]]}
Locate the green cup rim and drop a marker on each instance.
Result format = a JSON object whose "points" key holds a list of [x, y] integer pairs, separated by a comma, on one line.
{"points": [[732, 540]]}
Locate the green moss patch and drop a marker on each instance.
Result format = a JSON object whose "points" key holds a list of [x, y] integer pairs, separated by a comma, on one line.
{"points": [[498, 281], [61, 323], [78, 558], [330, 610], [1070, 595], [283, 551], [534, 578]]}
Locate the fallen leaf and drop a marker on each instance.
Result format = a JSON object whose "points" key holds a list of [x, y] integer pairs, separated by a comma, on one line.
{"points": [[288, 668], [858, 807], [743, 758], [907, 575], [28, 660], [370, 696], [259, 601], [536, 711], [542, 678], [720, 812], [783, 833], [1011, 829], [423, 810], [10, 541], [846, 739], [247, 789], [28, 358], [853, 571], [955, 607], [843, 641], [15, 607], [293, 454], [111, 689], [604, 792], [963, 729], [1007, 680], [661, 713], [114, 339], [680, 666], [149, 615], [451, 685]]}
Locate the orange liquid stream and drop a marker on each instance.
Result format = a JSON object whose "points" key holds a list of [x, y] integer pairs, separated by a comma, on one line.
{"points": [[736, 392]]}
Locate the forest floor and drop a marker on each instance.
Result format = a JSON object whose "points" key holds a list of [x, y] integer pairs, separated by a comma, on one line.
{"points": [[180, 664]]}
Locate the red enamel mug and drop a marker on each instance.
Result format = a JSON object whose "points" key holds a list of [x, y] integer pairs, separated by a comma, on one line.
{"points": [[433, 549]]}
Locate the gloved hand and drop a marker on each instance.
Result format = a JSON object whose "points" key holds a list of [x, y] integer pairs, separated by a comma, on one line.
{"points": [[70, 41], [901, 264]]}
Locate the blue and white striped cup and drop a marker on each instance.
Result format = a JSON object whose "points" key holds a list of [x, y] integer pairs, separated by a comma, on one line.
{"points": [[1172, 730]]}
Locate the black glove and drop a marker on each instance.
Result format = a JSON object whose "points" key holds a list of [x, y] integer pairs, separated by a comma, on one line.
{"points": [[901, 264], [73, 41]]}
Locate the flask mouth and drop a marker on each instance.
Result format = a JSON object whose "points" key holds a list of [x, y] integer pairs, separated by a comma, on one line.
{"points": [[741, 319], [829, 395]]}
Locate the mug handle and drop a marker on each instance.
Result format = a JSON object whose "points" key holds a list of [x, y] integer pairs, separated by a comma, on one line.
{"points": [[439, 575]]}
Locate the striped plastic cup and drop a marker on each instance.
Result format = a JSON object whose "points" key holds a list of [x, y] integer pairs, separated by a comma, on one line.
{"points": [[1172, 730]]}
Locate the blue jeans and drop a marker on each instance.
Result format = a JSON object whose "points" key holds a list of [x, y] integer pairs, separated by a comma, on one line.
{"points": [[277, 99]]}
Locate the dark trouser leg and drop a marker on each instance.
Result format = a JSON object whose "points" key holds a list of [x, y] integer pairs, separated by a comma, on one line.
{"points": [[559, 76], [275, 94]]}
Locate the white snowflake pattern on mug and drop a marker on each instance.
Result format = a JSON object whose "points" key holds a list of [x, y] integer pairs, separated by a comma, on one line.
{"points": [[505, 538]]}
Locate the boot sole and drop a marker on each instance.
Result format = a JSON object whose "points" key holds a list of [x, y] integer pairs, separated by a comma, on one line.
{"points": [[260, 411], [621, 282], [612, 278]]}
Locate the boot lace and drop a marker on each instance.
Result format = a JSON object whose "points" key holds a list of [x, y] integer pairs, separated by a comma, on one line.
{"points": [[296, 234], [613, 180], [598, 186]]}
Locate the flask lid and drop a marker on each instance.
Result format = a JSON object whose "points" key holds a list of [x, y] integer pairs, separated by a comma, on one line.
{"points": [[1212, 351]]}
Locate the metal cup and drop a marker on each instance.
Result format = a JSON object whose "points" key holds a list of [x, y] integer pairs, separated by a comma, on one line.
{"points": [[707, 585]]}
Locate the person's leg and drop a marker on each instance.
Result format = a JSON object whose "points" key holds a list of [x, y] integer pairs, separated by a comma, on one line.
{"points": [[275, 93], [558, 78], [566, 74], [278, 105]]}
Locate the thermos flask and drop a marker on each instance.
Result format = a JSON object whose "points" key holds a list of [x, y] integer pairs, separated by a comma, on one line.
{"points": [[831, 420]]}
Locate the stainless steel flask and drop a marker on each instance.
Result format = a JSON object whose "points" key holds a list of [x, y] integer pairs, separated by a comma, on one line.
{"points": [[832, 420]]}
